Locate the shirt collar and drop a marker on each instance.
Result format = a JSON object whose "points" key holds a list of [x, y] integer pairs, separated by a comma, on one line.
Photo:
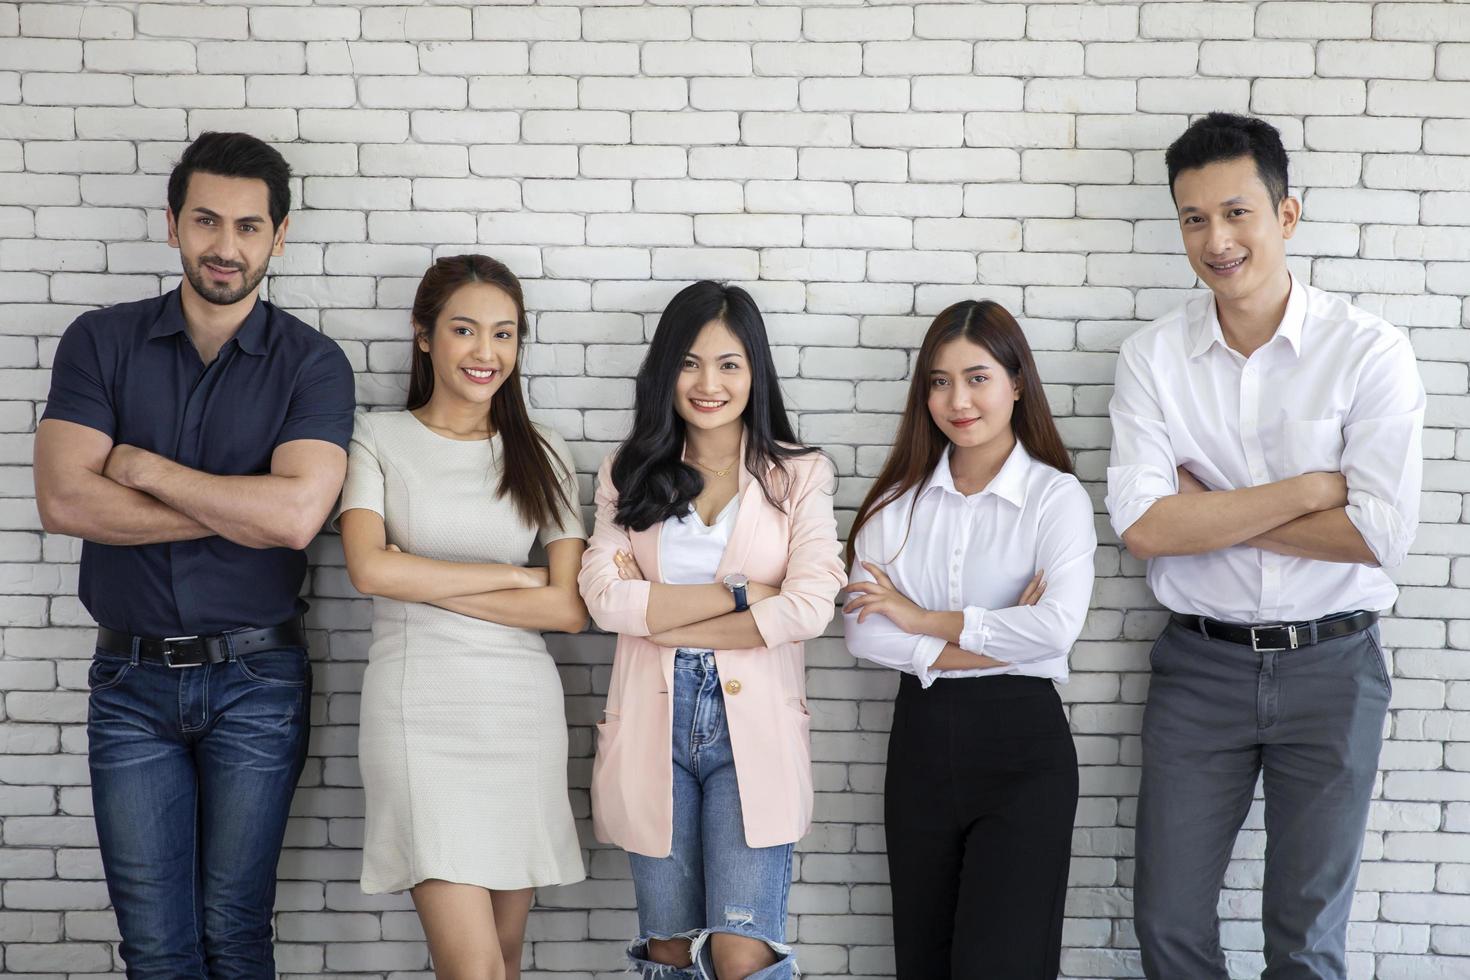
{"points": [[1009, 484], [250, 338], [1207, 331]]}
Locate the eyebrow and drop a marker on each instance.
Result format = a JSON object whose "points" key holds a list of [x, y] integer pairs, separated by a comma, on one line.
{"points": [[251, 218], [1189, 208], [973, 367], [475, 323], [717, 357]]}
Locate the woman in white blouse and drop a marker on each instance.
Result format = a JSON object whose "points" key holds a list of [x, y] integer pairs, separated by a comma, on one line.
{"points": [[976, 506]]}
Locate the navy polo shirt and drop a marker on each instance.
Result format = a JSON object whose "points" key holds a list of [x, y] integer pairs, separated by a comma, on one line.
{"points": [[131, 371]]}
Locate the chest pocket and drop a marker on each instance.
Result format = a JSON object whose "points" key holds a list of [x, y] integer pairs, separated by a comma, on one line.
{"points": [[1313, 445]]}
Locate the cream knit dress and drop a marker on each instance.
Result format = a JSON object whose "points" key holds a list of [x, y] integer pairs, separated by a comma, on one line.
{"points": [[463, 738]]}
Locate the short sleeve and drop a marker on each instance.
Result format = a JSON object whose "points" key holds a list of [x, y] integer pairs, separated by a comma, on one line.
{"points": [[568, 523], [363, 489], [79, 389], [322, 401]]}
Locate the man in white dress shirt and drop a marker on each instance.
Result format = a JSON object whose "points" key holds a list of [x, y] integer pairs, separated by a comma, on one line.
{"points": [[1266, 462]]}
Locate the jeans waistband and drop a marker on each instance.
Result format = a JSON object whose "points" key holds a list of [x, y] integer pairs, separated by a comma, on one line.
{"points": [[700, 660]]}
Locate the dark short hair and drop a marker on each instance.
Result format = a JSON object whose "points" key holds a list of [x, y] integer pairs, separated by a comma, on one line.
{"points": [[233, 155], [1226, 136]]}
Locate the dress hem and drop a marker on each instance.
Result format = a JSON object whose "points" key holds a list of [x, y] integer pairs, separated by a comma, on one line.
{"points": [[396, 886]]}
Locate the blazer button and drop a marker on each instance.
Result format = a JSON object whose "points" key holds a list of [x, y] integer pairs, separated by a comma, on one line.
{"points": [[732, 687]]}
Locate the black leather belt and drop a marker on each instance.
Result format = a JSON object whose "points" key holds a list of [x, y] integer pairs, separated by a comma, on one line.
{"points": [[195, 651], [1279, 636]]}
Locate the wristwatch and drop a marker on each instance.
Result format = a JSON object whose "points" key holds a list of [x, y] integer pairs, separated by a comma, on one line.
{"points": [[736, 583]]}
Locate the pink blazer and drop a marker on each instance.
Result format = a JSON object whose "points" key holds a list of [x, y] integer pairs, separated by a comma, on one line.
{"points": [[632, 777]]}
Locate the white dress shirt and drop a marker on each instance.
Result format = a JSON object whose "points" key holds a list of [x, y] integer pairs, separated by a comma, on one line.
{"points": [[1336, 389], [952, 552]]}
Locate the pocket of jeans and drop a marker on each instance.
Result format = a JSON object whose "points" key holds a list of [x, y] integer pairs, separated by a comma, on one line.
{"points": [[278, 668], [1380, 661], [1153, 651], [107, 672]]}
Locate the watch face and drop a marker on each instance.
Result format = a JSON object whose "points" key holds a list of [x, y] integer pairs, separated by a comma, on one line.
{"points": [[736, 580]]}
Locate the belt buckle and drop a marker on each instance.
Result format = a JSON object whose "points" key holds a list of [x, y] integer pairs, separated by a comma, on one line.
{"points": [[1290, 635], [168, 650]]}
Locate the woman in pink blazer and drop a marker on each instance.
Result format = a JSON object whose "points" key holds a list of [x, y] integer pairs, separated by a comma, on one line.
{"points": [[715, 555]]}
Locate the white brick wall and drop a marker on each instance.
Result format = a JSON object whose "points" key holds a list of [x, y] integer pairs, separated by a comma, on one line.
{"points": [[859, 166]]}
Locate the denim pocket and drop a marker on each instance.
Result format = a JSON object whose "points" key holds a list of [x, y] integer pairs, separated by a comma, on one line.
{"points": [[107, 672], [280, 668]]}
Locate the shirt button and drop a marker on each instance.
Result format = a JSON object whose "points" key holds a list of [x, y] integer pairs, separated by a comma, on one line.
{"points": [[732, 687]]}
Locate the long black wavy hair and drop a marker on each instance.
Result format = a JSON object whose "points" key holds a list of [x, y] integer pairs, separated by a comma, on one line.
{"points": [[652, 479]]}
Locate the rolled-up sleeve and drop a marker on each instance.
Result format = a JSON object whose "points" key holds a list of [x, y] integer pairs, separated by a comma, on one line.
{"points": [[1064, 552], [876, 638], [808, 597], [616, 605], [1383, 450], [1142, 467]]}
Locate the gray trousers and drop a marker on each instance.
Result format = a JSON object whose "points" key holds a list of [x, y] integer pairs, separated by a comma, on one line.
{"points": [[1218, 715]]}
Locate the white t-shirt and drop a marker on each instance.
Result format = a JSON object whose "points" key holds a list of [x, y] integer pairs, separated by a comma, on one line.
{"points": [[689, 551]]}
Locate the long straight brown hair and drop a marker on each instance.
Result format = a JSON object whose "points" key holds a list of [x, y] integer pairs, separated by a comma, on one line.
{"points": [[532, 473], [920, 442]]}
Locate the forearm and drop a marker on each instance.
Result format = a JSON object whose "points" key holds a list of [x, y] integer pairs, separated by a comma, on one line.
{"points": [[1194, 523], [1326, 535], [263, 511], [953, 658], [414, 578], [731, 631], [673, 606], [546, 608], [97, 509], [947, 626]]}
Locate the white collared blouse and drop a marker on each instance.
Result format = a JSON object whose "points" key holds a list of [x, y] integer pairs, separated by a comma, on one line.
{"points": [[975, 553], [1336, 389]]}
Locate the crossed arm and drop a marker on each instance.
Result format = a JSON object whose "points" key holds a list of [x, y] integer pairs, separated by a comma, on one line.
{"points": [[700, 616], [511, 595], [1304, 516], [1365, 514], [122, 495], [880, 597]]}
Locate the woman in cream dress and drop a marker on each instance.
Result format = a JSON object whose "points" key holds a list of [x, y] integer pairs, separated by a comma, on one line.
{"points": [[463, 740]]}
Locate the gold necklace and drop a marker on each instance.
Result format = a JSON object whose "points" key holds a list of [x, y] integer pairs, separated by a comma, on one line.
{"points": [[727, 469]]}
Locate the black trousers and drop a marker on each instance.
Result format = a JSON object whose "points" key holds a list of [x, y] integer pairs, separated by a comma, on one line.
{"points": [[979, 800]]}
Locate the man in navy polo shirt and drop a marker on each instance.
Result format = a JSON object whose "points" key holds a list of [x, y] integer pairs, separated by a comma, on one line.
{"points": [[196, 442]]}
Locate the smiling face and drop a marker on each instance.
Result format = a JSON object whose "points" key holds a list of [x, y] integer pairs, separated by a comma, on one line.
{"points": [[971, 397], [714, 380], [473, 344], [1234, 237], [225, 237]]}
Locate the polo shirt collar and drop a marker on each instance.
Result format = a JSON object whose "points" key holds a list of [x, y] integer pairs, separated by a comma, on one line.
{"points": [[250, 338], [1009, 484], [1207, 330]]}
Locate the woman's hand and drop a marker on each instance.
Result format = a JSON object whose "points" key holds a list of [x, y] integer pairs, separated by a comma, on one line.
{"points": [[1034, 590], [882, 597], [628, 569]]}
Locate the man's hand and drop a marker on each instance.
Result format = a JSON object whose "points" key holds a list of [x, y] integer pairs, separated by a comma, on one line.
{"points": [[1189, 483], [125, 465], [1326, 491]]}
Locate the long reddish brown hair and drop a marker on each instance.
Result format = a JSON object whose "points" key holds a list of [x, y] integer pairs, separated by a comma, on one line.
{"points": [[532, 472], [920, 442]]}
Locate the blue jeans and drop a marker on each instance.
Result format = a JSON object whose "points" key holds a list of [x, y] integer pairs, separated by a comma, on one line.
{"points": [[192, 775], [711, 881]]}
